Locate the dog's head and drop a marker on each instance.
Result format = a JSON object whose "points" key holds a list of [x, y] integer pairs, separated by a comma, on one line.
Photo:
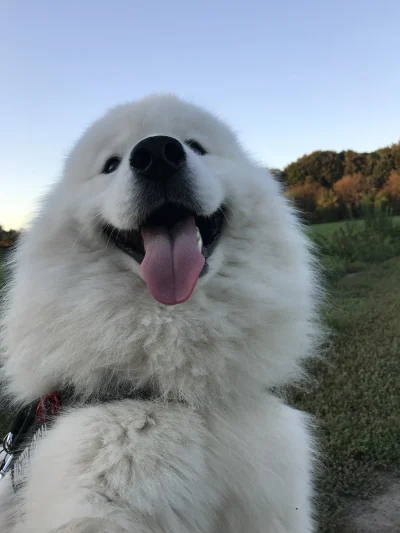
{"points": [[154, 180], [165, 255]]}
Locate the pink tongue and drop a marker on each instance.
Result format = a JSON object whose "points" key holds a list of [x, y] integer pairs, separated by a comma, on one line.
{"points": [[172, 262]]}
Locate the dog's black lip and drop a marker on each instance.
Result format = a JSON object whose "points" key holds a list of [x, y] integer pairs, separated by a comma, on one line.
{"points": [[210, 228]]}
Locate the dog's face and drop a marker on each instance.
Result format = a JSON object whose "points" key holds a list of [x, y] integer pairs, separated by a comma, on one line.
{"points": [[156, 175], [157, 180], [165, 255]]}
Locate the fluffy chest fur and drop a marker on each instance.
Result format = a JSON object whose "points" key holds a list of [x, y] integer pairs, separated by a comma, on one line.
{"points": [[153, 463]]}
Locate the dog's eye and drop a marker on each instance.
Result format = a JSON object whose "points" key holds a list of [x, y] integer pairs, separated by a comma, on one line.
{"points": [[111, 164], [195, 146]]}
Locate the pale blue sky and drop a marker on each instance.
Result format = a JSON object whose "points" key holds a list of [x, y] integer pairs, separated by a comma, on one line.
{"points": [[291, 76]]}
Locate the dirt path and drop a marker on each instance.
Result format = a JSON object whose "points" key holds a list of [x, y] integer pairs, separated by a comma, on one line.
{"points": [[379, 515]]}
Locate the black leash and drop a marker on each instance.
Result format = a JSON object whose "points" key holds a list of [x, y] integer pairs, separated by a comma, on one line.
{"points": [[20, 427]]}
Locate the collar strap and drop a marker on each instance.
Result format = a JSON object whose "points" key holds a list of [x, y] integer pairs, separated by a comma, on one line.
{"points": [[41, 412], [27, 419]]}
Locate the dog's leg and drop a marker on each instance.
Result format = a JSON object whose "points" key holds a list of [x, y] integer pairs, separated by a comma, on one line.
{"points": [[135, 464], [270, 488]]}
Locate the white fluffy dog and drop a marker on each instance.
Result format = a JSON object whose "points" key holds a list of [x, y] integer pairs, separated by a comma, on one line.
{"points": [[168, 282]]}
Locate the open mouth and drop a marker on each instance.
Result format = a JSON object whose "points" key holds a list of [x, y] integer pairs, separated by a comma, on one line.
{"points": [[172, 247]]}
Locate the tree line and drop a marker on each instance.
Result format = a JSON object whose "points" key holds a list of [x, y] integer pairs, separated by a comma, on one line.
{"points": [[329, 186]]}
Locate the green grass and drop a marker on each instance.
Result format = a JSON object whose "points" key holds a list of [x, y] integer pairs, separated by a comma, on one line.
{"points": [[327, 230], [356, 395]]}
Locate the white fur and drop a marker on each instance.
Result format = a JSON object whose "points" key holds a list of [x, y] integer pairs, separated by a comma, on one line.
{"points": [[229, 457]]}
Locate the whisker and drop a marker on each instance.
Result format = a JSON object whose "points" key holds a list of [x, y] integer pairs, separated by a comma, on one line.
{"points": [[86, 227]]}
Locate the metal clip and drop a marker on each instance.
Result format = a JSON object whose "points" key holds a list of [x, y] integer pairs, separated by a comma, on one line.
{"points": [[6, 465], [9, 457]]}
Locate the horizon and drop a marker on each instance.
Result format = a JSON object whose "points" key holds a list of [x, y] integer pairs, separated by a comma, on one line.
{"points": [[290, 79], [22, 227]]}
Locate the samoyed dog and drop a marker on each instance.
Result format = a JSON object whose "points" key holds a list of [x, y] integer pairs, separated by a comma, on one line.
{"points": [[167, 284]]}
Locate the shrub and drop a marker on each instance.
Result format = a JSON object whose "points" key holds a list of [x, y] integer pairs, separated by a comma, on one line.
{"points": [[351, 189], [377, 239], [328, 206], [305, 198], [316, 203], [391, 191]]}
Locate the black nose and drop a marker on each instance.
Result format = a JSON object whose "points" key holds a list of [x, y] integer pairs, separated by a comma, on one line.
{"points": [[157, 157]]}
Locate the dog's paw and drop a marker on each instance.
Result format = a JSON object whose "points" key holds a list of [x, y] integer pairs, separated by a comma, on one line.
{"points": [[142, 455]]}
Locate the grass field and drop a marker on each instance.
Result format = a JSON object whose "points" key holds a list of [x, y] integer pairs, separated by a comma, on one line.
{"points": [[355, 392], [329, 229]]}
